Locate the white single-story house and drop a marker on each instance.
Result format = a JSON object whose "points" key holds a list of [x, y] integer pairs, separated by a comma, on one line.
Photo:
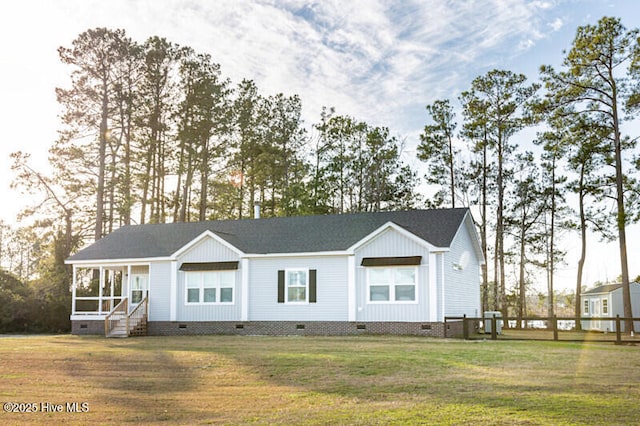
{"points": [[383, 272], [606, 301]]}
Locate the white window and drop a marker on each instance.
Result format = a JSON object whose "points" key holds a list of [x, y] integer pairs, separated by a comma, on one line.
{"points": [[210, 286], [392, 285], [586, 306], [605, 306], [296, 284]]}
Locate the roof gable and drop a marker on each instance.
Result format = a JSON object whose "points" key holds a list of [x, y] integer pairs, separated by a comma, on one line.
{"points": [[205, 235], [393, 226], [301, 234]]}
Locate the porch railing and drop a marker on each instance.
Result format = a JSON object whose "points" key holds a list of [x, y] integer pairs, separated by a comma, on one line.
{"points": [[128, 323], [137, 319], [94, 305], [115, 316]]}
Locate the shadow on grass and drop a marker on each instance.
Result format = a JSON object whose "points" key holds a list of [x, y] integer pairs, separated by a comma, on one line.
{"points": [[132, 379], [536, 382], [363, 379]]}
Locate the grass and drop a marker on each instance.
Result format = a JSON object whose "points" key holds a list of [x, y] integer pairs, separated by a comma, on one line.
{"points": [[320, 380]]}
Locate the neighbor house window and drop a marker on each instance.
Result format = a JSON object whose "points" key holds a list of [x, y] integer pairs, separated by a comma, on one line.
{"points": [[586, 307], [394, 284], [210, 286], [605, 306]]}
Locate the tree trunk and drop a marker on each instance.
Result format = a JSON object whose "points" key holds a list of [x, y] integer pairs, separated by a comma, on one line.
{"points": [[621, 219], [204, 180], [102, 150], [522, 292], [483, 231], [583, 250], [499, 261], [551, 309], [452, 174]]}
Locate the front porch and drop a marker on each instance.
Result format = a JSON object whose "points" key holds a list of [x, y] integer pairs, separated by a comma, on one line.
{"points": [[110, 299]]}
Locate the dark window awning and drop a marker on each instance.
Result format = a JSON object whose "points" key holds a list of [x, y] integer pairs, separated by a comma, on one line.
{"points": [[391, 261], [209, 266]]}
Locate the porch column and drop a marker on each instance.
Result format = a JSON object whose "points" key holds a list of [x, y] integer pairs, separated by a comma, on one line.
{"points": [[127, 286], [73, 292], [100, 285], [112, 290]]}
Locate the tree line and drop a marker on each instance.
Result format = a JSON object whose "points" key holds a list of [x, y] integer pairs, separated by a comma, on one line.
{"points": [[585, 177], [152, 132]]}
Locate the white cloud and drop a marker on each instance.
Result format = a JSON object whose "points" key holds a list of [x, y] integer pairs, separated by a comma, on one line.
{"points": [[556, 25], [380, 61]]}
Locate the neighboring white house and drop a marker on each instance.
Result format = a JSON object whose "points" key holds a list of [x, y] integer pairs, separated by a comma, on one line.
{"points": [[606, 301], [384, 272]]}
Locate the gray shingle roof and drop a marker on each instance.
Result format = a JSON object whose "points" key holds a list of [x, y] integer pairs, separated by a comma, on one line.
{"points": [[607, 288], [301, 234]]}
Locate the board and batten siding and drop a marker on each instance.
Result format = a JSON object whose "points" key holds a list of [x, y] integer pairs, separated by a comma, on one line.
{"points": [[391, 243], [331, 289], [159, 290], [208, 250], [461, 276]]}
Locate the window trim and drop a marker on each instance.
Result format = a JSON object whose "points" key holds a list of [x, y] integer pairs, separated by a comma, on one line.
{"points": [[218, 288], [306, 286], [392, 286]]}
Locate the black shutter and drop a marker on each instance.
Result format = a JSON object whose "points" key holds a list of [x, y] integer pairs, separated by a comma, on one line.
{"points": [[280, 286], [312, 285]]}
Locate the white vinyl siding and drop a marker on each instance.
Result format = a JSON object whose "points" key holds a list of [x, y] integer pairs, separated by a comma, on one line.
{"points": [[461, 275], [331, 289], [159, 289], [391, 243], [210, 286]]}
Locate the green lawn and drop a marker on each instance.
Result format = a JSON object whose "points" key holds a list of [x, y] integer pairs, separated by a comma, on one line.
{"points": [[319, 380]]}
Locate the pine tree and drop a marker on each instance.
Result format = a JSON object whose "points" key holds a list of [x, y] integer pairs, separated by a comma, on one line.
{"points": [[598, 80]]}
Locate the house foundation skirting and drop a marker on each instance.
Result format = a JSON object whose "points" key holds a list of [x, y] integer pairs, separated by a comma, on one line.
{"points": [[302, 328], [274, 328], [88, 326]]}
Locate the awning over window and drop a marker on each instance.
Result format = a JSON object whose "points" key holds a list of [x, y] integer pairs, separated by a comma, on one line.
{"points": [[391, 261], [209, 266]]}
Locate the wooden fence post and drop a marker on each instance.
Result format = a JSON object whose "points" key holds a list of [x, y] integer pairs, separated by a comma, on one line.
{"points": [[618, 332], [554, 322], [465, 329], [494, 332]]}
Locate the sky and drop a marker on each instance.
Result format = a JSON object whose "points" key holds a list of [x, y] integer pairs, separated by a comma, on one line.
{"points": [[376, 60]]}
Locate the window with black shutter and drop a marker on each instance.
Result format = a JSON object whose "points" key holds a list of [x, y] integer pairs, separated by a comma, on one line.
{"points": [[297, 286]]}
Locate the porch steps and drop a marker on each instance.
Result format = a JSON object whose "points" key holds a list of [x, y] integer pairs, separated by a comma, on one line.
{"points": [[120, 329]]}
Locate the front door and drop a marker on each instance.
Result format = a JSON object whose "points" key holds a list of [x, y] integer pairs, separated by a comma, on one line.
{"points": [[595, 312], [138, 290]]}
